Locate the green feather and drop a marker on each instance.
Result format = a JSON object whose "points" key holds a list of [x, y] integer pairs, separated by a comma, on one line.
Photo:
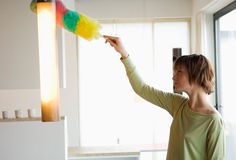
{"points": [[70, 20]]}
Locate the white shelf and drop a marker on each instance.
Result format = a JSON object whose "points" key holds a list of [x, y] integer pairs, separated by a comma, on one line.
{"points": [[32, 139]]}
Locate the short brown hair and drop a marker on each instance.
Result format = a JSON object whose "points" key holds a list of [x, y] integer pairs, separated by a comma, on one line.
{"points": [[199, 70]]}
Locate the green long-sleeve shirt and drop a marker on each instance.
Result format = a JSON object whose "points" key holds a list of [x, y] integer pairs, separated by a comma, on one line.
{"points": [[193, 136]]}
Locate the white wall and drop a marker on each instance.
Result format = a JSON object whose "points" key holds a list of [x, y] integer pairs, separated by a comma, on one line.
{"points": [[209, 6], [111, 9], [16, 23]]}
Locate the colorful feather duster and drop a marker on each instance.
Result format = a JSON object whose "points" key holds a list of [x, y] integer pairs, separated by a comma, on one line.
{"points": [[74, 22]]}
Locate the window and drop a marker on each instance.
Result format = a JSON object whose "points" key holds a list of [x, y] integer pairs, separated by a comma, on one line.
{"points": [[110, 112], [225, 31]]}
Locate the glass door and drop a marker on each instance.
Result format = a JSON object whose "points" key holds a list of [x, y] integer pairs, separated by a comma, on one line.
{"points": [[225, 38]]}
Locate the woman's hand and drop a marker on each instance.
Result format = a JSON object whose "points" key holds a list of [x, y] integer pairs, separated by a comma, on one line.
{"points": [[116, 43]]}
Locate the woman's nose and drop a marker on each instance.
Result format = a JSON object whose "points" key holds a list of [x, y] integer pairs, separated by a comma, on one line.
{"points": [[173, 77]]}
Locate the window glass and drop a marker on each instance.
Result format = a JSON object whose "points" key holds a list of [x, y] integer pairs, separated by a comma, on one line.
{"points": [[110, 112], [225, 37], [227, 48]]}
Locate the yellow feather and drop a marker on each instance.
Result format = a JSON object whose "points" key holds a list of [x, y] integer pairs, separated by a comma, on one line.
{"points": [[87, 28]]}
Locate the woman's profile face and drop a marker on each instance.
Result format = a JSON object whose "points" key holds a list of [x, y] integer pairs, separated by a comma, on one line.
{"points": [[180, 79]]}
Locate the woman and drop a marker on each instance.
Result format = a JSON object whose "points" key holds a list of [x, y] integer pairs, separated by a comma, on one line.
{"points": [[197, 130]]}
